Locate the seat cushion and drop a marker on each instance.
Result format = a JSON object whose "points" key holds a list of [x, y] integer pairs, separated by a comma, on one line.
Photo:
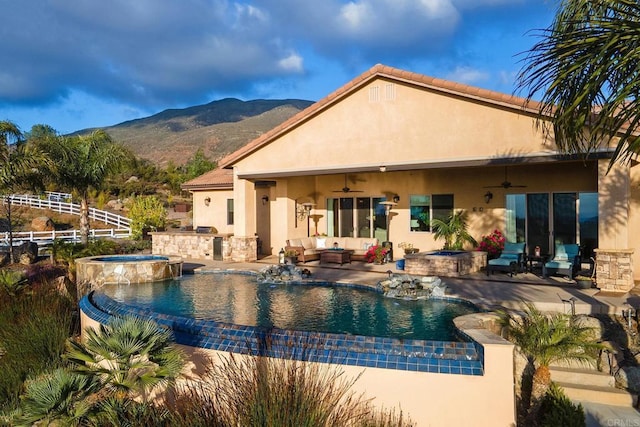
{"points": [[502, 261], [514, 247], [559, 265]]}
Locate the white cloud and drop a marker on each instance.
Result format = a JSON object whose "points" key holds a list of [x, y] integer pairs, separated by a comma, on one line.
{"points": [[468, 75], [293, 62]]}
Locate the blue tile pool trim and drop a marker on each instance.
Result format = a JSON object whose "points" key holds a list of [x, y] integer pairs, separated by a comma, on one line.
{"points": [[462, 358]]}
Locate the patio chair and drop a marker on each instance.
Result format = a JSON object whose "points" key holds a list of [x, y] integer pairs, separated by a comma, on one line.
{"points": [[510, 260], [565, 261]]}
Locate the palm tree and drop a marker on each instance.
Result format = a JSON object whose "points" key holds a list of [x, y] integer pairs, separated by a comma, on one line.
{"points": [[453, 231], [58, 398], [130, 356], [546, 339], [84, 162], [586, 63], [19, 166]]}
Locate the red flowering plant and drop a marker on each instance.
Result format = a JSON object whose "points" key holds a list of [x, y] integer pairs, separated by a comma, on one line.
{"points": [[376, 253], [492, 244]]}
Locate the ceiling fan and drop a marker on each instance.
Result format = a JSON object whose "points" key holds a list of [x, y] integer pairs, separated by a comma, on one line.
{"points": [[506, 184], [346, 188]]}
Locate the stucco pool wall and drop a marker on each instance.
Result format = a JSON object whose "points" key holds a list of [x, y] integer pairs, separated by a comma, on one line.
{"points": [[445, 263], [95, 271], [435, 383]]}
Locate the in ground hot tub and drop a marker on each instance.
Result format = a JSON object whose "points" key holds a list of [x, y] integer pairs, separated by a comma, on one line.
{"points": [[445, 263], [93, 272]]}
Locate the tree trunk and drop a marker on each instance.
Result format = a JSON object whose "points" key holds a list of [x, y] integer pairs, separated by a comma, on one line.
{"points": [[7, 202], [541, 383], [84, 220]]}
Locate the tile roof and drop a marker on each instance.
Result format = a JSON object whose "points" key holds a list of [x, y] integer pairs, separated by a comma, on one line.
{"points": [[221, 179], [432, 83]]}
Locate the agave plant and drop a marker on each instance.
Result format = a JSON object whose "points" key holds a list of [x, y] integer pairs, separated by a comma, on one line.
{"points": [[12, 282]]}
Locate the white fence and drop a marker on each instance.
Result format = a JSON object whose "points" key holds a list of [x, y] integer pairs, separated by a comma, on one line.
{"points": [[44, 237], [121, 222], [55, 203]]}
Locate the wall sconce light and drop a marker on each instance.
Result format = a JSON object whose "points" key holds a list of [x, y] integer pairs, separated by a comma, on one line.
{"points": [[303, 210], [383, 168], [265, 199], [207, 201], [488, 196], [396, 198]]}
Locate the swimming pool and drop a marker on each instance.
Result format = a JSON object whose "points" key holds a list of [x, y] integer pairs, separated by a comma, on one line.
{"points": [[239, 299], [462, 357]]}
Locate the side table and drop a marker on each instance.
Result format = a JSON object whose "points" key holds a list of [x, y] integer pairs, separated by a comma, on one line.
{"points": [[536, 262]]}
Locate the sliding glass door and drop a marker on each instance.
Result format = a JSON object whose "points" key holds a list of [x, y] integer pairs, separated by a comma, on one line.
{"points": [[356, 216], [543, 219]]}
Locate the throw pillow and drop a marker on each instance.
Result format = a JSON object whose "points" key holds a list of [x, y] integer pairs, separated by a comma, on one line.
{"points": [[321, 243], [366, 246]]}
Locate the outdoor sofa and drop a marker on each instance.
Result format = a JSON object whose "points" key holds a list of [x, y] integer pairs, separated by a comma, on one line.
{"points": [[309, 248]]}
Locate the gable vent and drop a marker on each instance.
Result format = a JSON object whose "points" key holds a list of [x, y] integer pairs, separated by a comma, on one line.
{"points": [[390, 92], [374, 94]]}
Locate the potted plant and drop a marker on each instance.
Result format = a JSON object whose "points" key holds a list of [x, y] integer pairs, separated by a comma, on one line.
{"points": [[453, 231], [492, 244], [408, 248], [376, 254], [291, 256], [584, 282]]}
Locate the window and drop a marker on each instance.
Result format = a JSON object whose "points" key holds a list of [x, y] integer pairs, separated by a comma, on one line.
{"points": [[425, 207], [360, 216], [420, 207], [229, 211]]}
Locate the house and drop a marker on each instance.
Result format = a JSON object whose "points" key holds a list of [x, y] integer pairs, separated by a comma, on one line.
{"points": [[431, 147]]}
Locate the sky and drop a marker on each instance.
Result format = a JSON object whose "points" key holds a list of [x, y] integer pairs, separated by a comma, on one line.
{"points": [[77, 64]]}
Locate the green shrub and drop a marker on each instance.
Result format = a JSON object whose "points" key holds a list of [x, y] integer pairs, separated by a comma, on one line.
{"points": [[264, 391], [35, 327], [558, 410], [146, 212], [12, 282]]}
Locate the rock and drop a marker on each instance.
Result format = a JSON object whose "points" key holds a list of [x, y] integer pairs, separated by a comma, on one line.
{"points": [[628, 377], [42, 223], [594, 324], [27, 258], [27, 249], [115, 205], [64, 286]]}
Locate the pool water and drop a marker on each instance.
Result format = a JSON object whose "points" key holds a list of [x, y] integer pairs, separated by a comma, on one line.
{"points": [[239, 299]]}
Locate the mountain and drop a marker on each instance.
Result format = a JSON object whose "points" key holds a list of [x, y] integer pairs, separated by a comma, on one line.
{"points": [[219, 128]]}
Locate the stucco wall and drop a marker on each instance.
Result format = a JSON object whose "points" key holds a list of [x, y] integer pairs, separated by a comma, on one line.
{"points": [[215, 213], [429, 399], [416, 125]]}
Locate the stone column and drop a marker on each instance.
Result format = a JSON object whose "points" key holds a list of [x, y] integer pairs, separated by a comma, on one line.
{"points": [[614, 270]]}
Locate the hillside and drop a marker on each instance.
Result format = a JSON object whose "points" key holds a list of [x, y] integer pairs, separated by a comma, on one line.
{"points": [[219, 128]]}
